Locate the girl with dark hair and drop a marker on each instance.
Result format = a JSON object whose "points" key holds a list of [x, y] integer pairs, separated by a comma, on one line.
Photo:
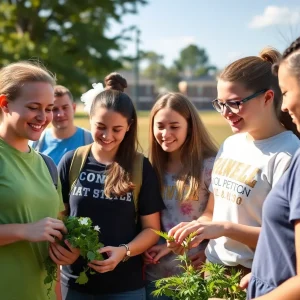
{"points": [[104, 191], [276, 266], [248, 164]]}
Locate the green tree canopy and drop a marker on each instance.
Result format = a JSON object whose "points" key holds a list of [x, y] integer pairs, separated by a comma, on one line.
{"points": [[68, 36], [193, 61], [163, 76]]}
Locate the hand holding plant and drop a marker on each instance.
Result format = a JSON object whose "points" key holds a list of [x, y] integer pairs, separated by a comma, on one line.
{"points": [[115, 256], [83, 237], [203, 230], [47, 229], [62, 255]]}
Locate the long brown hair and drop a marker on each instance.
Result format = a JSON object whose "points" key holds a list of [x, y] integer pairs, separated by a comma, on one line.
{"points": [[197, 146], [255, 74], [118, 180]]}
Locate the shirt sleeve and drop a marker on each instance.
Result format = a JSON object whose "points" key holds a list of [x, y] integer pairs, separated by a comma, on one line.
{"points": [[293, 188], [210, 189], [63, 171], [150, 200], [207, 170], [59, 192], [281, 163]]}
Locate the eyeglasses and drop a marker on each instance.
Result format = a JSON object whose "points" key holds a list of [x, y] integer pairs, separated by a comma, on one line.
{"points": [[232, 105]]}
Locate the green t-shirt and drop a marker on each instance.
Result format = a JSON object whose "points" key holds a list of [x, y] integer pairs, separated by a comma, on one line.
{"points": [[27, 195]]}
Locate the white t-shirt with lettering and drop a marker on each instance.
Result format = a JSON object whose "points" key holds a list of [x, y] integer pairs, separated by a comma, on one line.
{"points": [[244, 173]]}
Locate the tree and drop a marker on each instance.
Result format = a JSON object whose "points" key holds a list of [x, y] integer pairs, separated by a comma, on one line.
{"points": [[155, 69], [193, 62], [68, 36], [165, 78]]}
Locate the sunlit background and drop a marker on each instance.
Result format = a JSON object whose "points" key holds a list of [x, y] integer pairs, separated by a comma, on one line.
{"points": [[157, 45]]}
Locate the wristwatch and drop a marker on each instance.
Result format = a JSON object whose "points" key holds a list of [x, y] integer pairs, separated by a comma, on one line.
{"points": [[127, 256]]}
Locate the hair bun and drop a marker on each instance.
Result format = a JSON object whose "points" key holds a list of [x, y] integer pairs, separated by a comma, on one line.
{"points": [[115, 81], [270, 55]]}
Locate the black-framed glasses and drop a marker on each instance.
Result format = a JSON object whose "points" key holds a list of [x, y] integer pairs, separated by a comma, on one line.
{"points": [[233, 105]]}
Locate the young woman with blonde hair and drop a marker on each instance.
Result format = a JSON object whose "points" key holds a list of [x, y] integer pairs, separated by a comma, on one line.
{"points": [[29, 202], [248, 164], [182, 154]]}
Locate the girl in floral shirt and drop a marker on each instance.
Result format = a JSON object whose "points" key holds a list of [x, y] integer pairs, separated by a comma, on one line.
{"points": [[182, 154]]}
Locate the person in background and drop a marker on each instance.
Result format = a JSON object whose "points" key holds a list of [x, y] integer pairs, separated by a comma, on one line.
{"points": [[175, 131], [63, 136], [248, 164]]}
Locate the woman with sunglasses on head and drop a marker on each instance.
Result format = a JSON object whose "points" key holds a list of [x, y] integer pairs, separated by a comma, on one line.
{"points": [[248, 163]]}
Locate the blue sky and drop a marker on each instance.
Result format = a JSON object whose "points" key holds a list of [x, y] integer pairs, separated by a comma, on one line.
{"points": [[227, 29]]}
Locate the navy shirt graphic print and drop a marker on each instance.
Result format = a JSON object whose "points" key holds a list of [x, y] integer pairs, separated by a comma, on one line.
{"points": [[116, 218]]}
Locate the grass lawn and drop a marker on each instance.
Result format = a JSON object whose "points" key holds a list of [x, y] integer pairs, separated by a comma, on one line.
{"points": [[214, 122]]}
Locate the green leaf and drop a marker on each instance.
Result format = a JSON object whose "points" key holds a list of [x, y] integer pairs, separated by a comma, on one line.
{"points": [[164, 235], [91, 255], [82, 278], [48, 279]]}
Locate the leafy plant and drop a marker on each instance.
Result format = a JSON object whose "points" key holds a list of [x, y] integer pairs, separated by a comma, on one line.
{"points": [[82, 235], [191, 284]]}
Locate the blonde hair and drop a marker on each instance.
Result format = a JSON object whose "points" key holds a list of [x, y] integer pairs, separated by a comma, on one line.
{"points": [[197, 146], [15, 75]]}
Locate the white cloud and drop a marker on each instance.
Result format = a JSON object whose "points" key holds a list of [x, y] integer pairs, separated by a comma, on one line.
{"points": [[276, 15]]}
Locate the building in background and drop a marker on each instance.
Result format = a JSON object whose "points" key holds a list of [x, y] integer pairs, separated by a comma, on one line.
{"points": [[146, 90], [201, 91]]}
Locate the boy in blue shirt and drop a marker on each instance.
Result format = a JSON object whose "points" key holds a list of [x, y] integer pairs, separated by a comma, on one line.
{"points": [[63, 136]]}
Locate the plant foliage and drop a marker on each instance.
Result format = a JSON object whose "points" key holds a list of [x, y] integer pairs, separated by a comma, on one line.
{"points": [[191, 284], [82, 235]]}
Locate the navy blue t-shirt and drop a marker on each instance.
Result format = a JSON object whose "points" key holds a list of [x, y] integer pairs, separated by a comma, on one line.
{"points": [[116, 219], [275, 257]]}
